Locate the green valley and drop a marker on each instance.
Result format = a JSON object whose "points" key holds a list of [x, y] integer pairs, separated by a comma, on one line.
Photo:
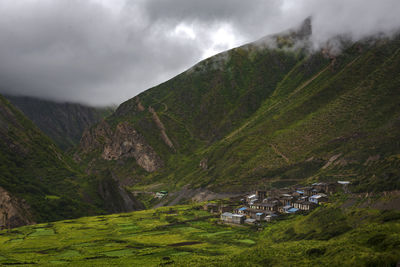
{"points": [[39, 183], [187, 235], [280, 152]]}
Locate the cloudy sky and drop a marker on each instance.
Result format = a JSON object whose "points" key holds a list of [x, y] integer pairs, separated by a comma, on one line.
{"points": [[104, 52]]}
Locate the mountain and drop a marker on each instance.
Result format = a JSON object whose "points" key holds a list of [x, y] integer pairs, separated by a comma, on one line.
{"points": [[62, 122], [39, 183], [268, 114]]}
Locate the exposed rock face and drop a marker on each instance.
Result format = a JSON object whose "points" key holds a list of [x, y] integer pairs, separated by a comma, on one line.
{"points": [[96, 137], [13, 212], [139, 104], [204, 164], [124, 142]]}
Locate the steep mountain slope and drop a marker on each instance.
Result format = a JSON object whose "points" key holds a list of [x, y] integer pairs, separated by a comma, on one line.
{"points": [[62, 122], [39, 183], [266, 114]]}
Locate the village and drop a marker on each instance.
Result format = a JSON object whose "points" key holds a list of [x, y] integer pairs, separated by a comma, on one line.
{"points": [[266, 206]]}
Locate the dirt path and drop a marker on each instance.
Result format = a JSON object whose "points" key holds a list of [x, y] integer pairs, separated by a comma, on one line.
{"points": [[280, 153], [309, 80], [181, 123], [277, 103]]}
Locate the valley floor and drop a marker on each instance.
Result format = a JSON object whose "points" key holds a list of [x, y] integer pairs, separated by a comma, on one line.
{"points": [[343, 233], [143, 238]]}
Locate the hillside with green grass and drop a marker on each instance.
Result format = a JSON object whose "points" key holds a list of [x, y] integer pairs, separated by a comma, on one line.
{"points": [[189, 236], [34, 169], [267, 114], [42, 182]]}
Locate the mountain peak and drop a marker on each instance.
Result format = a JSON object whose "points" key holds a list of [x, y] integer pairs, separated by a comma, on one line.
{"points": [[305, 29]]}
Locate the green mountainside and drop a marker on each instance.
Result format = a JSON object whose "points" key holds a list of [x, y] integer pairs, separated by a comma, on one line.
{"points": [[39, 183], [268, 114], [62, 122]]}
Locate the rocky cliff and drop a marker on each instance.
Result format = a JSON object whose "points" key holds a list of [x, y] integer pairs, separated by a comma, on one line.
{"points": [[13, 212], [121, 143]]}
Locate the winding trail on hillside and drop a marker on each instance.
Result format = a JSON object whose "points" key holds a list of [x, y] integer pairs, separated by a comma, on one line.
{"points": [[181, 123], [165, 107], [309, 81], [277, 103], [301, 87], [164, 113], [177, 121], [280, 153]]}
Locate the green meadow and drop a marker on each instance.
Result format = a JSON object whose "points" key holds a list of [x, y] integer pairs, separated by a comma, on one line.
{"points": [[144, 238], [187, 236]]}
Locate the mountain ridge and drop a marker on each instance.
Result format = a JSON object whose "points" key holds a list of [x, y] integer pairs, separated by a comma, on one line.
{"points": [[41, 183], [64, 123], [272, 116]]}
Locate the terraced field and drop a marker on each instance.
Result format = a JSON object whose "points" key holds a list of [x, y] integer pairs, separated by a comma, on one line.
{"points": [[144, 238], [342, 233]]}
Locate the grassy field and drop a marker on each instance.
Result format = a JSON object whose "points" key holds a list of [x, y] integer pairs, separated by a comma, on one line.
{"points": [[144, 238], [186, 236], [328, 237]]}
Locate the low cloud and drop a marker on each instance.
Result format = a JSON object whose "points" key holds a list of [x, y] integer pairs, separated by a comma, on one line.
{"points": [[105, 51]]}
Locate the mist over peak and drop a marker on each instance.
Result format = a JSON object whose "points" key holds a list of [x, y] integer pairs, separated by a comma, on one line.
{"points": [[104, 52]]}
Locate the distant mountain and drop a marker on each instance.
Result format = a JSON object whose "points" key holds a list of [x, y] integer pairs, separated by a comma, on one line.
{"points": [[39, 183], [268, 114], [62, 122]]}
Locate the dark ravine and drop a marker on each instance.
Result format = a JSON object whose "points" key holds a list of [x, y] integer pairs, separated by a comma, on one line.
{"points": [[62, 122], [40, 183], [116, 198]]}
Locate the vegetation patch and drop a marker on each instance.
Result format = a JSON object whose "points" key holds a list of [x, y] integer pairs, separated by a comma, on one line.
{"points": [[188, 243], [247, 241], [119, 253], [41, 232]]}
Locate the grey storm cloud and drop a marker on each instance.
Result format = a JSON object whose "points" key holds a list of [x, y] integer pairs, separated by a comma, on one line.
{"points": [[105, 51]]}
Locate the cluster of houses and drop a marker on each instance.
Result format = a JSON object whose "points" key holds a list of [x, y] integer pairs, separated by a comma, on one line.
{"points": [[266, 206]]}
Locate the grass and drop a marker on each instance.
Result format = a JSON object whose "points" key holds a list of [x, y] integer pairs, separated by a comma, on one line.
{"points": [[328, 236], [34, 169], [144, 238]]}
